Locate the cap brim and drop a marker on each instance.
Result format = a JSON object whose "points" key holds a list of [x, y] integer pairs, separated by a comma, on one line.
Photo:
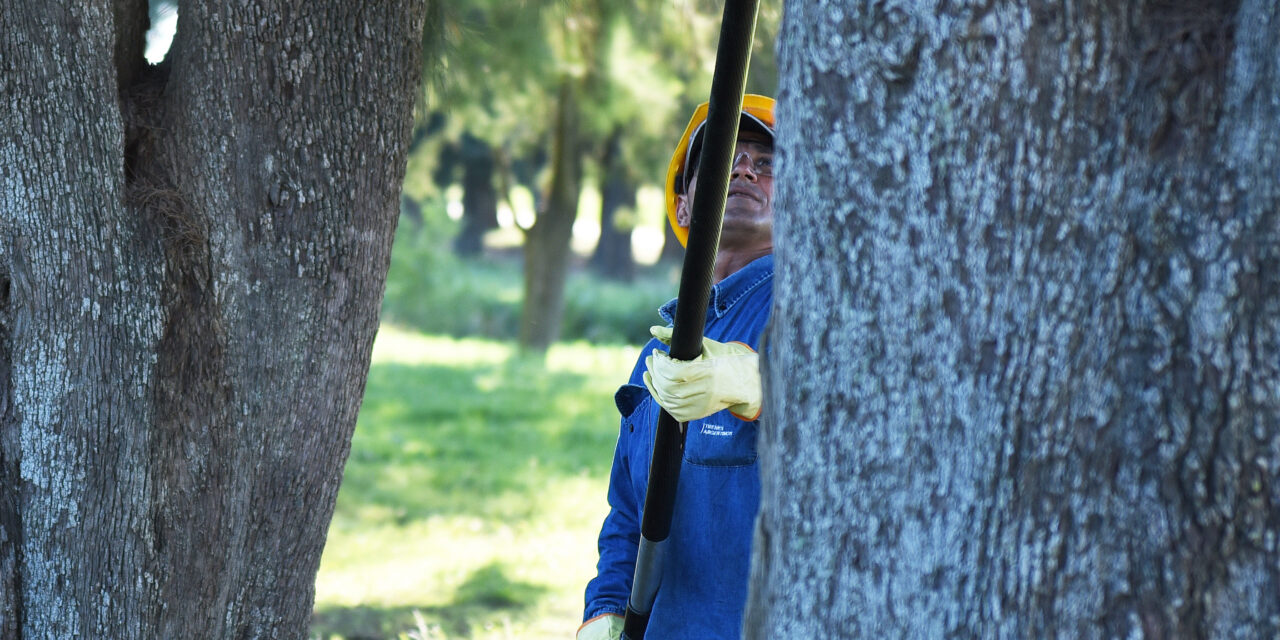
{"points": [[747, 121]]}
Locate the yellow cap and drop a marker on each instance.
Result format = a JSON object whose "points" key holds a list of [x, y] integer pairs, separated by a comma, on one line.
{"points": [[755, 109]]}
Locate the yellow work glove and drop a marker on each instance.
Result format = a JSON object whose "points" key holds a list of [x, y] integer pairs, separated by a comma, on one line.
{"points": [[605, 627], [725, 376]]}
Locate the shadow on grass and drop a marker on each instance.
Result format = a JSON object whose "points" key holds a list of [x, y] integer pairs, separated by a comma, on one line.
{"points": [[477, 439], [486, 594]]}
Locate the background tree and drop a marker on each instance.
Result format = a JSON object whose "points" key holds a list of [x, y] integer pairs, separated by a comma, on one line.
{"points": [[1025, 353], [479, 195], [636, 68], [191, 261], [617, 92], [582, 34], [612, 257]]}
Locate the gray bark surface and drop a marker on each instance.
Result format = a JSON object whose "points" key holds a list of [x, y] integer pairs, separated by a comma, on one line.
{"points": [[192, 257], [1023, 369]]}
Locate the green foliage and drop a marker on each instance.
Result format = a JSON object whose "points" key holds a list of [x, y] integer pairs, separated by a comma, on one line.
{"points": [[432, 290], [601, 311], [641, 65], [473, 492]]}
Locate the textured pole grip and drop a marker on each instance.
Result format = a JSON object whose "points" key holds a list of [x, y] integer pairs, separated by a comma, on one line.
{"points": [[728, 84]]}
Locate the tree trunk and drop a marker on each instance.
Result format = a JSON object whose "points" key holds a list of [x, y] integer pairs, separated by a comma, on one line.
{"points": [[612, 257], [546, 245], [1023, 362], [479, 196], [191, 262]]}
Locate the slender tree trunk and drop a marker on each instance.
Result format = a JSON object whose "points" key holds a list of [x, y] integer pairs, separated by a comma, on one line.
{"points": [[1023, 363], [546, 245], [191, 262], [612, 257], [479, 196]]}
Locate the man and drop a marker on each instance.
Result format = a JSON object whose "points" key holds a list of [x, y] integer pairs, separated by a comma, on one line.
{"points": [[706, 566]]}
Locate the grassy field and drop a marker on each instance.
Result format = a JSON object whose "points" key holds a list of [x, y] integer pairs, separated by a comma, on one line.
{"points": [[474, 491]]}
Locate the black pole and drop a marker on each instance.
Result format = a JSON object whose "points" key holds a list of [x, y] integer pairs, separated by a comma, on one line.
{"points": [[720, 135]]}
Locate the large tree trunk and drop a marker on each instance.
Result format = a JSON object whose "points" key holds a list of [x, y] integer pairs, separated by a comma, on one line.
{"points": [[546, 245], [612, 257], [191, 262], [1023, 368]]}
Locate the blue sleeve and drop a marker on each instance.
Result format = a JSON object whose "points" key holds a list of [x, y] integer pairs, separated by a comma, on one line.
{"points": [[619, 539], [620, 534]]}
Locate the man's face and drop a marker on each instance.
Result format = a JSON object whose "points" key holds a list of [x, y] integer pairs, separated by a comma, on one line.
{"points": [[749, 208]]}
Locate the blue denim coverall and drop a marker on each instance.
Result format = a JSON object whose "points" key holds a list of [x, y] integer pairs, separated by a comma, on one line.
{"points": [[704, 576]]}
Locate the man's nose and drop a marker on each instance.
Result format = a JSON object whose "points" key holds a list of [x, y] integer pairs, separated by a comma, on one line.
{"points": [[742, 167]]}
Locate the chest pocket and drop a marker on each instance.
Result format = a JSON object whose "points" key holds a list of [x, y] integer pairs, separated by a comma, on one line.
{"points": [[721, 442]]}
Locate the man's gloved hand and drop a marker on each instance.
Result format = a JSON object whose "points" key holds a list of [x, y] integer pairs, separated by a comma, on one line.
{"points": [[605, 627], [725, 376]]}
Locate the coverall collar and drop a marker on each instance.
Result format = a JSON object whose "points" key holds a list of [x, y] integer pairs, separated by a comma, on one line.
{"points": [[726, 293]]}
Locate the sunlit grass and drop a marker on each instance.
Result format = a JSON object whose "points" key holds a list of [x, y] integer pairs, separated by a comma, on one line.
{"points": [[473, 493]]}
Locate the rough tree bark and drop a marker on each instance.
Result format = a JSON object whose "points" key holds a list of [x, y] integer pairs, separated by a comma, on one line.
{"points": [[1023, 370], [191, 262], [546, 243]]}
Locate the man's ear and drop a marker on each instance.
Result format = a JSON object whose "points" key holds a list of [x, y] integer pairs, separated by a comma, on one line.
{"points": [[683, 215]]}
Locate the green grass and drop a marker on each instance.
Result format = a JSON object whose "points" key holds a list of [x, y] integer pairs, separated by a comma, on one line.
{"points": [[474, 491]]}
